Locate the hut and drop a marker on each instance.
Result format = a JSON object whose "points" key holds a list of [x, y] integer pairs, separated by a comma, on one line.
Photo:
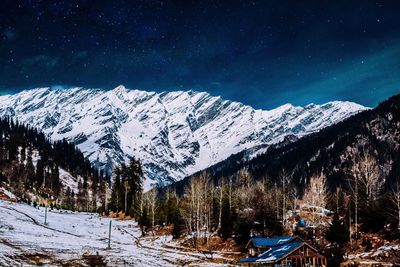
{"points": [[257, 245], [289, 252]]}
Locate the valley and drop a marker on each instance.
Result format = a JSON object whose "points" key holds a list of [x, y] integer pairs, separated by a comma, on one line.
{"points": [[326, 188], [155, 133]]}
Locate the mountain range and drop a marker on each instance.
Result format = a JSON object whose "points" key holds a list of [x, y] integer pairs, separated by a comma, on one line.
{"points": [[370, 138], [174, 134]]}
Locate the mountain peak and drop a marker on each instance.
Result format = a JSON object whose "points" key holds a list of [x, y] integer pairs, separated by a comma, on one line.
{"points": [[174, 133], [120, 89]]}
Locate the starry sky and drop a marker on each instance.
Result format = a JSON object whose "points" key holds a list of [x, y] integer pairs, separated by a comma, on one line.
{"points": [[261, 53]]}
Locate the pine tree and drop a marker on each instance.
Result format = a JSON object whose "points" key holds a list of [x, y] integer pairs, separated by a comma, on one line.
{"points": [[55, 180], [132, 174], [29, 169], [39, 173], [338, 236], [116, 192]]}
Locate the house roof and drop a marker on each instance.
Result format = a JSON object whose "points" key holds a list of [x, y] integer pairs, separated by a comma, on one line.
{"points": [[274, 253], [271, 241], [249, 259]]}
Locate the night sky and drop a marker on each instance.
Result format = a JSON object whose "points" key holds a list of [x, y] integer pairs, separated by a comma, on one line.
{"points": [[262, 53]]}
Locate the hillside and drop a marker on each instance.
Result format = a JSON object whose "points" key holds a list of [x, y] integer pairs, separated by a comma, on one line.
{"points": [[38, 170], [331, 150], [174, 134]]}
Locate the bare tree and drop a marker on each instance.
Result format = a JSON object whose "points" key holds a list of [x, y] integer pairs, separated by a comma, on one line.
{"points": [[367, 170], [187, 211], [169, 194], [395, 198], [141, 203], [277, 197], [284, 179], [366, 177], [107, 195], [196, 210], [295, 196], [151, 199], [220, 189], [315, 195], [245, 178], [337, 196], [230, 194]]}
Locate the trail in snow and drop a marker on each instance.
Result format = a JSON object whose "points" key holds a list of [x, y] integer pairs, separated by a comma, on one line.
{"points": [[39, 224], [80, 239]]}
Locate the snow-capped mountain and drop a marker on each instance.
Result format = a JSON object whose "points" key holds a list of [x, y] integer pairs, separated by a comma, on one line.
{"points": [[174, 134]]}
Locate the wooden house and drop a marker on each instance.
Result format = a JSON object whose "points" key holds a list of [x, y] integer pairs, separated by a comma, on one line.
{"points": [[257, 245], [290, 252]]}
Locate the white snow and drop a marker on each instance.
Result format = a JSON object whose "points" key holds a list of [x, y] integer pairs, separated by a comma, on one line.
{"points": [[68, 180], [69, 236], [174, 134], [9, 194]]}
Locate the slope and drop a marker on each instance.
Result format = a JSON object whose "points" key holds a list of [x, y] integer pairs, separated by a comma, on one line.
{"points": [[174, 134], [332, 151]]}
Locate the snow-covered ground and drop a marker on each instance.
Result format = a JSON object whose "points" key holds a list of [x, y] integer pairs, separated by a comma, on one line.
{"points": [[81, 239], [380, 252]]}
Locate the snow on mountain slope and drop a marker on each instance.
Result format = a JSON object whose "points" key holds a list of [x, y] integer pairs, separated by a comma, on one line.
{"points": [[173, 133]]}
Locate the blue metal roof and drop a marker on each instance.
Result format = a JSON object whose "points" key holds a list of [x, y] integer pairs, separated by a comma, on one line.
{"points": [[271, 241], [274, 253], [250, 259]]}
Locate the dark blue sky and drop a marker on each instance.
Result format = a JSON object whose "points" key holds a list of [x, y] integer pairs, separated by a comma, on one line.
{"points": [[262, 53]]}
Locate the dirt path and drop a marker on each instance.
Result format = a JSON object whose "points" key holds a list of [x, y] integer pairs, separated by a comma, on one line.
{"points": [[176, 250], [159, 250]]}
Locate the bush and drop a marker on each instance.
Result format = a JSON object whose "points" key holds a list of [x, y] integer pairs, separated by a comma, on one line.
{"points": [[367, 244]]}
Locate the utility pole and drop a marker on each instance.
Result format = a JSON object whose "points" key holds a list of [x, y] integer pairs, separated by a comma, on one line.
{"points": [[109, 236], [45, 216]]}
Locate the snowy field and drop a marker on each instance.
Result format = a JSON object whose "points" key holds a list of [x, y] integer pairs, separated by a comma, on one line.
{"points": [[81, 239]]}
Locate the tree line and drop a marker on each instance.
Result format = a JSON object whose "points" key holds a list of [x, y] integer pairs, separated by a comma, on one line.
{"points": [[240, 206], [31, 164]]}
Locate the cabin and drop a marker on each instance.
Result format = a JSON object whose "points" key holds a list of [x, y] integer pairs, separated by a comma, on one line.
{"points": [[257, 245], [282, 252]]}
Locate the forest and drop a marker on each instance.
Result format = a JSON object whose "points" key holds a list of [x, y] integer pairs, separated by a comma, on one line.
{"points": [[32, 166]]}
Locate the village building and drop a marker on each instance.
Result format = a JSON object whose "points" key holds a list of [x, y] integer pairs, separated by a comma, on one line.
{"points": [[282, 251], [257, 245]]}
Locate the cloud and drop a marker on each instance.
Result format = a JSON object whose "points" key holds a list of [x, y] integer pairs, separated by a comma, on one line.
{"points": [[367, 80], [81, 55], [42, 61]]}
